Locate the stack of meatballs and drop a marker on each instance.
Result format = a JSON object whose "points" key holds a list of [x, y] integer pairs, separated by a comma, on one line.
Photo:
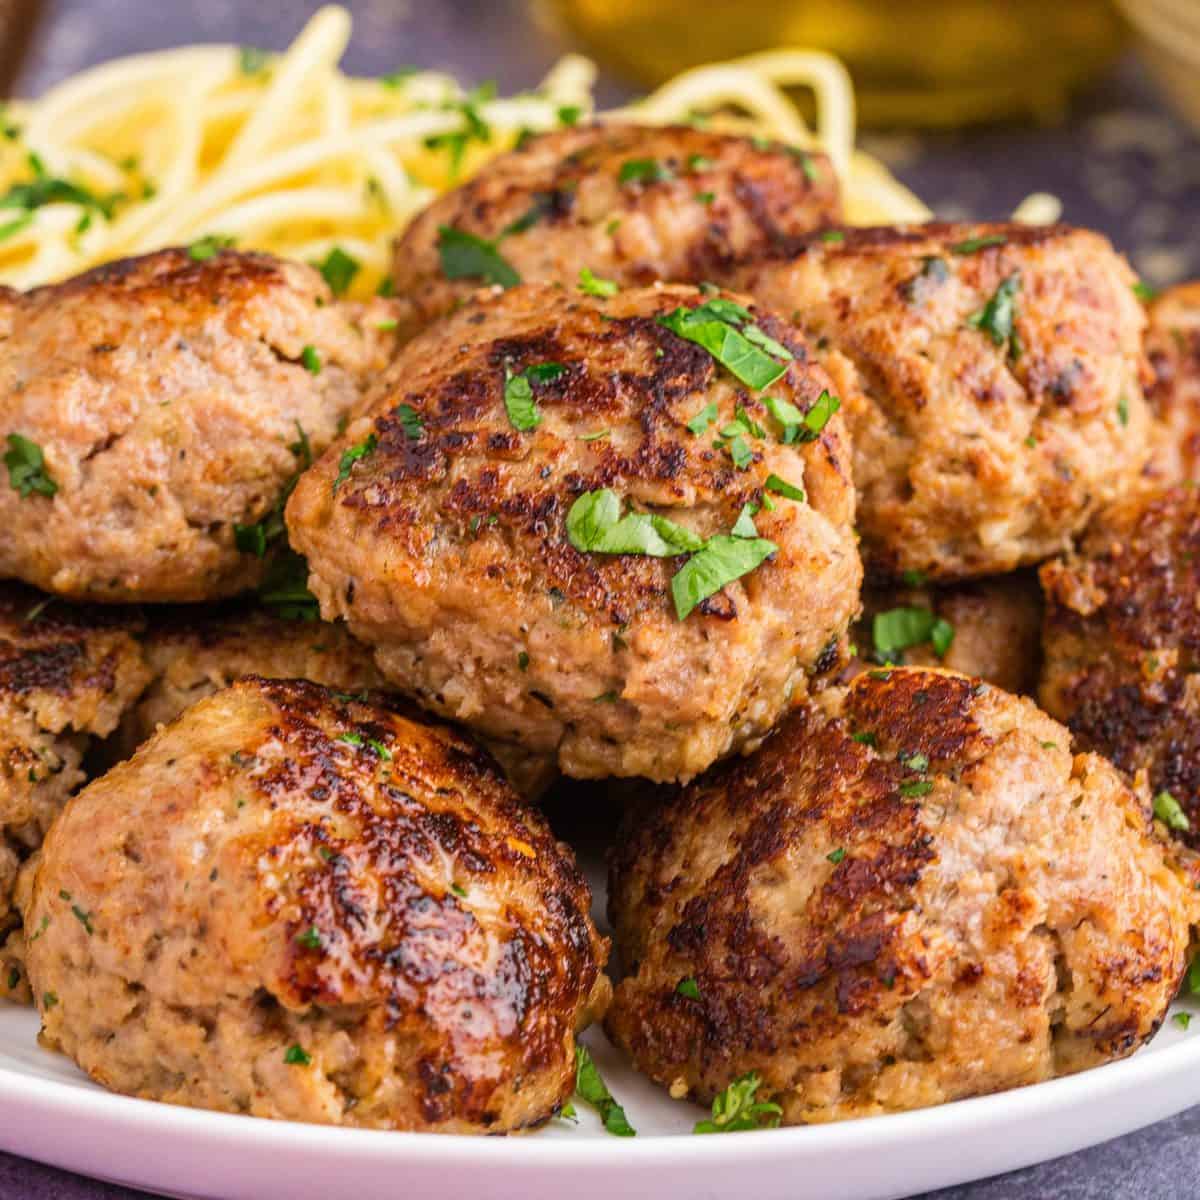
{"points": [[862, 563]]}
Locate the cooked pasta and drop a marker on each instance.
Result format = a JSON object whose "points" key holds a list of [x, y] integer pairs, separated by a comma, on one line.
{"points": [[286, 153]]}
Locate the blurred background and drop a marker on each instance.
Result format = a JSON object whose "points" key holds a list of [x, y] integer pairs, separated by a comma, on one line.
{"points": [[974, 103]]}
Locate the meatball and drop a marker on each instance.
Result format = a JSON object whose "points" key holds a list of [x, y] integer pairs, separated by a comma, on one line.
{"points": [[66, 676], [480, 552], [990, 629], [633, 204], [193, 652], [1173, 347], [153, 412], [296, 905], [1122, 644], [912, 894], [992, 382]]}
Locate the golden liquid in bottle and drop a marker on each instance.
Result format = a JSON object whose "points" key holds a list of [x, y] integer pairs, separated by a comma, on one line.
{"points": [[914, 62]]}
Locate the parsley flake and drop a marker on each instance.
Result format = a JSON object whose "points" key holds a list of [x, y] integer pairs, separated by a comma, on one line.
{"points": [[899, 629], [781, 487], [338, 269], [644, 171], [350, 456], [703, 419], [736, 1110], [715, 326], [688, 988], [310, 939], [593, 285], [310, 356], [465, 256], [997, 316], [518, 394], [595, 525], [836, 856], [975, 244], [27, 467], [1168, 810], [297, 1056], [721, 560], [591, 1088], [209, 246]]}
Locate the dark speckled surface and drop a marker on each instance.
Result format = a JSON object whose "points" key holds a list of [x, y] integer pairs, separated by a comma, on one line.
{"points": [[1144, 192]]}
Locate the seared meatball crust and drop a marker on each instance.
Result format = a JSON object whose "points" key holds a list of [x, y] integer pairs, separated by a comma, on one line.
{"points": [[194, 651], [171, 402], [634, 203], [997, 626], [1173, 348], [976, 449], [66, 675], [910, 895], [445, 546], [295, 905], [1122, 643]]}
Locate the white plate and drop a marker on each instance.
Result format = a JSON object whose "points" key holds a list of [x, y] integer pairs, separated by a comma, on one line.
{"points": [[51, 1112]]}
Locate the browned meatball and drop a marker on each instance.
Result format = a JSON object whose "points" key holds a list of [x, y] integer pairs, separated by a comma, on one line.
{"points": [[1173, 347], [194, 652], [912, 896], [66, 676], [153, 407], [1122, 644], [294, 905], [992, 382], [441, 528], [990, 629], [634, 204]]}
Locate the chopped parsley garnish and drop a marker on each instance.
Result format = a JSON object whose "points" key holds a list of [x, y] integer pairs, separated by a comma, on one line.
{"points": [[523, 661], [806, 164], [721, 327], [744, 526], [591, 1088], [84, 918], [688, 988], [310, 939], [595, 525], [703, 419], [338, 270], [351, 739], [698, 162], [387, 324], [866, 738], [474, 127], [1168, 810], [899, 629], [465, 256], [998, 314], [781, 487], [609, 697], [917, 787], [836, 856], [720, 561], [798, 426], [644, 171], [740, 452], [311, 358], [27, 467], [735, 1110], [458, 889], [45, 188], [209, 246], [593, 285], [1123, 410], [386, 287], [398, 77], [569, 114], [1144, 292], [14, 977], [595, 437], [12, 228], [297, 1056], [914, 578], [832, 235], [705, 198], [519, 402], [410, 421], [251, 539], [252, 60], [915, 762], [975, 244], [301, 447], [350, 456], [49, 999], [1182, 1019]]}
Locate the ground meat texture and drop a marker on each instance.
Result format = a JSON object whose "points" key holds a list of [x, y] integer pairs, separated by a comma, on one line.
{"points": [[1173, 347], [67, 674], [1122, 643], [444, 545], [996, 624], [302, 907], [993, 391], [194, 651], [634, 204], [170, 400], [912, 894]]}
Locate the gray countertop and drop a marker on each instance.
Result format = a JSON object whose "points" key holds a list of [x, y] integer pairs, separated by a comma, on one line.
{"points": [[1123, 165]]}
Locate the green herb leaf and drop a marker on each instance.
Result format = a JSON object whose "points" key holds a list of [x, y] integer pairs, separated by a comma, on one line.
{"points": [[899, 629], [917, 787], [832, 235], [591, 1088], [251, 539], [465, 256], [711, 326], [311, 358], [27, 467], [741, 453], [941, 637], [518, 394], [744, 526], [310, 939], [865, 738], [736, 1110], [781, 487], [338, 270], [396, 78], [1123, 410], [350, 456], [644, 171], [297, 1056], [798, 426], [595, 437], [836, 856], [998, 314], [285, 588], [769, 344], [595, 525], [12, 228], [915, 762], [720, 561], [689, 988], [209, 246], [252, 60], [703, 419], [975, 244], [1144, 292], [569, 114], [1182, 1019], [410, 421], [593, 285], [1168, 810]]}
